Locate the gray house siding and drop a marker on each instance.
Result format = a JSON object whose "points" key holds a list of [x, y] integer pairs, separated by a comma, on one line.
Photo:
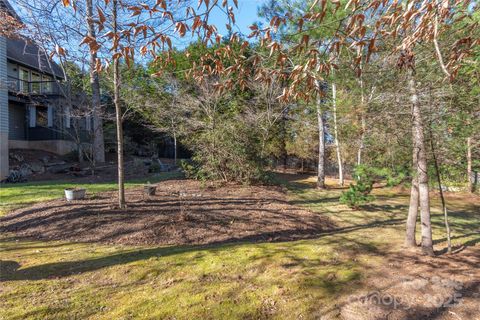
{"points": [[3, 88], [3, 110], [17, 122], [12, 69]]}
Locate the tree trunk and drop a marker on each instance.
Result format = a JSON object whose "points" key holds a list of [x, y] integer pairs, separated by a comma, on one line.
{"points": [[410, 239], [335, 133], [98, 141], [363, 121], [321, 144], [284, 143], [422, 174], [362, 140], [444, 205], [175, 149], [118, 112], [471, 185], [80, 152]]}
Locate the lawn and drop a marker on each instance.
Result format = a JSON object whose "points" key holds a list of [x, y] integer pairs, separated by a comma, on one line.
{"points": [[303, 279]]}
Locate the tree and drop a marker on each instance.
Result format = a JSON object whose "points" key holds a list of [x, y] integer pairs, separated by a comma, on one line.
{"points": [[98, 139], [141, 33], [406, 23]]}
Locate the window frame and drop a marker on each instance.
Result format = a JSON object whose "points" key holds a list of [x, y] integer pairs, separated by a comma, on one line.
{"points": [[22, 81], [37, 83]]}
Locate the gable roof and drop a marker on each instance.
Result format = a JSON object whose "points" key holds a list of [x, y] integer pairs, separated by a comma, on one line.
{"points": [[5, 6], [26, 53]]}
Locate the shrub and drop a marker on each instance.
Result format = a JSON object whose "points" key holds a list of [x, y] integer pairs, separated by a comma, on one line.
{"points": [[359, 193], [229, 153], [154, 167]]}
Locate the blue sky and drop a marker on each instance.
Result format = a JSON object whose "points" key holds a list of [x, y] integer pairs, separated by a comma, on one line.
{"points": [[245, 15]]}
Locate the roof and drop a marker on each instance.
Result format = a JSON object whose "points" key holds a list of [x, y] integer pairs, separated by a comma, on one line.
{"points": [[5, 6], [26, 53]]}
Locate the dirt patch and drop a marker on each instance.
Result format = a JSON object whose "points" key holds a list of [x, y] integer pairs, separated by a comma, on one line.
{"points": [[181, 212]]}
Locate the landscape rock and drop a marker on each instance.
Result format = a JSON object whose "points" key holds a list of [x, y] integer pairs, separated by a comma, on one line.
{"points": [[25, 169], [16, 176], [45, 160], [53, 164], [59, 168], [16, 157], [37, 167]]}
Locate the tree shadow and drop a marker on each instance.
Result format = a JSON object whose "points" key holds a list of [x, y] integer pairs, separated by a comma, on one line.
{"points": [[10, 270]]}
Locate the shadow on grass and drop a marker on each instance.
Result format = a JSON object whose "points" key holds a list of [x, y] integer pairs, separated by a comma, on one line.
{"points": [[10, 269]]}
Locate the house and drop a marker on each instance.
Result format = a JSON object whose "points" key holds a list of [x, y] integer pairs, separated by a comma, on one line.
{"points": [[34, 110]]}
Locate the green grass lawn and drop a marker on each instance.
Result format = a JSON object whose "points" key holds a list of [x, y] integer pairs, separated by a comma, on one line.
{"points": [[287, 280], [13, 196]]}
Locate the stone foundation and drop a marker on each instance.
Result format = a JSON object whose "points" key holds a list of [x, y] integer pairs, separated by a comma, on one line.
{"points": [[60, 147]]}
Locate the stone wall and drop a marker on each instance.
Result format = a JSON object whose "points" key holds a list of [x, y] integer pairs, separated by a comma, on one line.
{"points": [[60, 147]]}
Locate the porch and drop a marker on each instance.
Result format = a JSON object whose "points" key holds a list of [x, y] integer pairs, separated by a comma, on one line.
{"points": [[44, 127], [38, 87]]}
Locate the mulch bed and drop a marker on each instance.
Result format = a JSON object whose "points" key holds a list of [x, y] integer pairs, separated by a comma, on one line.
{"points": [[181, 212]]}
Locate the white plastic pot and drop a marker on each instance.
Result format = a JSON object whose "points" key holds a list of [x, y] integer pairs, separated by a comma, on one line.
{"points": [[74, 194]]}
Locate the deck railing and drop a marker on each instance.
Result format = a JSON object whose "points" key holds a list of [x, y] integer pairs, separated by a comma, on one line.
{"points": [[35, 87]]}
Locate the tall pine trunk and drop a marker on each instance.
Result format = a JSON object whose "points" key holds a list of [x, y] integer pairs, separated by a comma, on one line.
{"points": [[422, 174], [118, 112], [363, 121], [98, 141], [321, 142], [410, 238], [335, 133]]}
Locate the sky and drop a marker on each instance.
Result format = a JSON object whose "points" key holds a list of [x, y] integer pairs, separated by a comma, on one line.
{"points": [[245, 15]]}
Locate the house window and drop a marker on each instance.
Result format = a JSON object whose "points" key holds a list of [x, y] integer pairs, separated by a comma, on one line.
{"points": [[24, 80], [46, 84], [36, 82], [42, 116]]}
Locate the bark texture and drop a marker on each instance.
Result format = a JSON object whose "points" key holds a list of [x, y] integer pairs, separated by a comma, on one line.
{"points": [[422, 174], [363, 121], [98, 140], [335, 133], [119, 120], [321, 144], [410, 239]]}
